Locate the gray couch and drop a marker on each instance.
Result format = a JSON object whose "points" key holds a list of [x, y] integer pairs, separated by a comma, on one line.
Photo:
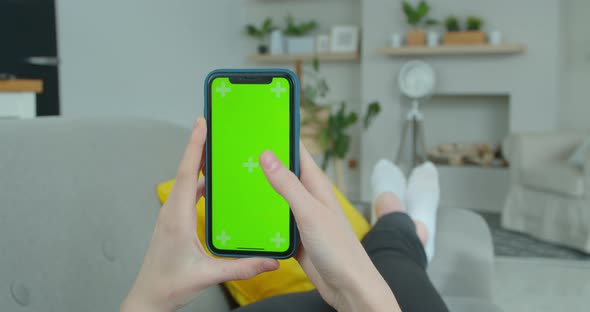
{"points": [[78, 203]]}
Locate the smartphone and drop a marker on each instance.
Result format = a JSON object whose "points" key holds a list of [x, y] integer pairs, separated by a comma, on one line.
{"points": [[249, 112]]}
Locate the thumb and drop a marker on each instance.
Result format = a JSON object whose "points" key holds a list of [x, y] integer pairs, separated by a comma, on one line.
{"points": [[287, 185], [242, 269]]}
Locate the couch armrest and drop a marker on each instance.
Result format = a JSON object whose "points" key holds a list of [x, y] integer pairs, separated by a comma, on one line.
{"points": [[463, 263], [468, 304], [525, 150]]}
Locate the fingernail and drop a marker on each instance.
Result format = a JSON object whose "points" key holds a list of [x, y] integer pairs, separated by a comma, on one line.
{"points": [[270, 265], [269, 161], [200, 123]]}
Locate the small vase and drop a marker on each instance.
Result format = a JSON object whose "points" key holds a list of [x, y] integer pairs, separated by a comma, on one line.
{"points": [[396, 40], [277, 42], [432, 39], [495, 37]]}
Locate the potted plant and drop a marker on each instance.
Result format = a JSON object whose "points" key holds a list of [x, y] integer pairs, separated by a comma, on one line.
{"points": [[452, 24], [335, 139], [474, 23], [416, 17], [324, 132], [298, 39], [472, 34], [260, 34]]}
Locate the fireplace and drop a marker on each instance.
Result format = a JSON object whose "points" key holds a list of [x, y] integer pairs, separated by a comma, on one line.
{"points": [[466, 130]]}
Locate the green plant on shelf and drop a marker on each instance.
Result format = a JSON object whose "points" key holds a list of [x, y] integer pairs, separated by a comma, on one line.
{"points": [[260, 33], [335, 137], [334, 134], [299, 29], [452, 24], [474, 23], [417, 16]]}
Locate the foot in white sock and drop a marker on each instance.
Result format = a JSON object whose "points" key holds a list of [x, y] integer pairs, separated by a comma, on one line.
{"points": [[422, 201], [387, 177]]}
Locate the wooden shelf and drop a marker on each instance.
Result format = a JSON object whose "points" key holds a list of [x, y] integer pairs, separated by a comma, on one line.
{"points": [[323, 57], [21, 85], [455, 50]]}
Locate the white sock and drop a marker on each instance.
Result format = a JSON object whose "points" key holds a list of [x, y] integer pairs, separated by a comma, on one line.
{"points": [[387, 177], [422, 201]]}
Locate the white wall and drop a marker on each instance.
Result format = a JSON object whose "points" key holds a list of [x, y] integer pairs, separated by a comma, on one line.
{"points": [[575, 108], [343, 77], [148, 58], [144, 57], [531, 79]]}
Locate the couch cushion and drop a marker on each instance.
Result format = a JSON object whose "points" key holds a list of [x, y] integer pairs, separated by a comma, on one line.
{"points": [[77, 210], [463, 304], [560, 178], [464, 258], [73, 240]]}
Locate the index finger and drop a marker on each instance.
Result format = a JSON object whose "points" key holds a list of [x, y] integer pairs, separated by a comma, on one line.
{"points": [[314, 179], [188, 170], [288, 186]]}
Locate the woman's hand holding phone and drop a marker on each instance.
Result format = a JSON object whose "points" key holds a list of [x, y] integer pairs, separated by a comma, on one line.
{"points": [[176, 267], [331, 255]]}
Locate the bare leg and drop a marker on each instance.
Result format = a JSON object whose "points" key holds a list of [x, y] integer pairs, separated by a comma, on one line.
{"points": [[395, 244], [389, 203], [422, 232]]}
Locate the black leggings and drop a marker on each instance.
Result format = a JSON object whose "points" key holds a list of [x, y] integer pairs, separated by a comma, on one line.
{"points": [[397, 253]]}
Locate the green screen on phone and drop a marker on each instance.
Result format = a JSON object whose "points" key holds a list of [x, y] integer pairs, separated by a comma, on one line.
{"points": [[247, 119]]}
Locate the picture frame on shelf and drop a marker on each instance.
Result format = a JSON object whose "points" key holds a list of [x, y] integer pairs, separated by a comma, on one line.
{"points": [[344, 39]]}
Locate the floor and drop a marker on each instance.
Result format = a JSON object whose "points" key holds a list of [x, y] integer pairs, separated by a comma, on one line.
{"points": [[542, 285], [513, 244], [532, 275]]}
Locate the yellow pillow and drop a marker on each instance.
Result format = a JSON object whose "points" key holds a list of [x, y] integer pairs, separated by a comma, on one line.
{"points": [[289, 277]]}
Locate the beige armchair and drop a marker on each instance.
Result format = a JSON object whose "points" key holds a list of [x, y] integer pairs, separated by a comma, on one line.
{"points": [[549, 198]]}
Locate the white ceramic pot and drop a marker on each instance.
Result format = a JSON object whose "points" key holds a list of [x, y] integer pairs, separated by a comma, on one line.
{"points": [[277, 42], [495, 37], [301, 45], [397, 40], [432, 39]]}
